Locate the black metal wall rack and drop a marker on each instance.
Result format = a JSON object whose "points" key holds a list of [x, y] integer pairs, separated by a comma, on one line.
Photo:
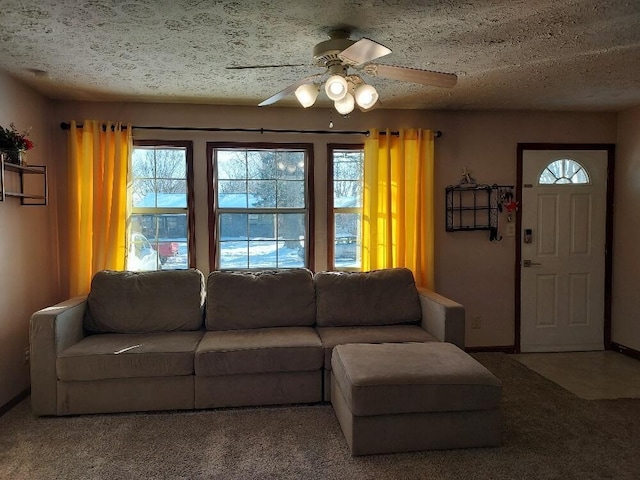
{"points": [[475, 207]]}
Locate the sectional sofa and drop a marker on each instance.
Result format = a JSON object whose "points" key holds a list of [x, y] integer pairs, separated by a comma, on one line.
{"points": [[172, 340]]}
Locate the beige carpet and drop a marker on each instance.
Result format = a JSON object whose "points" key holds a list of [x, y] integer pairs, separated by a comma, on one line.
{"points": [[589, 375], [548, 433]]}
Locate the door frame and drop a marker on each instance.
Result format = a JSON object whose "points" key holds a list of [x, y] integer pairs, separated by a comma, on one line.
{"points": [[610, 148]]}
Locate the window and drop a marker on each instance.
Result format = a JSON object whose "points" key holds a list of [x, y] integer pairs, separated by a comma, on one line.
{"points": [[565, 171], [160, 227], [346, 168], [260, 205]]}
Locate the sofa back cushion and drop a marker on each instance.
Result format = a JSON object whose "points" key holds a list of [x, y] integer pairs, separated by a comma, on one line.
{"points": [[275, 298], [379, 297], [145, 302]]}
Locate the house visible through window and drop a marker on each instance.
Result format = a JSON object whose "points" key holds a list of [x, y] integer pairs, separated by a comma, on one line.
{"points": [[159, 233], [260, 206], [346, 168]]}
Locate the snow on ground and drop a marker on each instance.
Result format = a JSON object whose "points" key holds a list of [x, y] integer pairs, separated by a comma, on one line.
{"points": [[267, 253]]}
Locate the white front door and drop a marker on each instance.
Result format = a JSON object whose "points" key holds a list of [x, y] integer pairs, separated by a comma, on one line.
{"points": [[562, 271]]}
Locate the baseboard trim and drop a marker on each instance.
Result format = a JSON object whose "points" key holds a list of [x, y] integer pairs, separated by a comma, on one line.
{"points": [[14, 401], [497, 349], [629, 352]]}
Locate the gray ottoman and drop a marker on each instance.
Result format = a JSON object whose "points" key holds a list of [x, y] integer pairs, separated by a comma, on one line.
{"points": [[406, 397]]}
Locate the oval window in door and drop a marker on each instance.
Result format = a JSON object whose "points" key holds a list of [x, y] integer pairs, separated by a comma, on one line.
{"points": [[564, 171]]}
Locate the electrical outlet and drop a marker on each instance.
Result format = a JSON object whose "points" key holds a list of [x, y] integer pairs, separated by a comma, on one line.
{"points": [[476, 321], [27, 355]]}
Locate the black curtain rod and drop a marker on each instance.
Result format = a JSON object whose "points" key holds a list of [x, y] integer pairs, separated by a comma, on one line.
{"points": [[366, 133]]}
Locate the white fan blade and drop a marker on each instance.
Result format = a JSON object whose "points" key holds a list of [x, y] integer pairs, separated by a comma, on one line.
{"points": [[414, 75], [287, 91], [363, 51]]}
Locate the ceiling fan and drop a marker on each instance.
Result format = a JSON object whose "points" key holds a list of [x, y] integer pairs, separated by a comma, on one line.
{"points": [[337, 55]]}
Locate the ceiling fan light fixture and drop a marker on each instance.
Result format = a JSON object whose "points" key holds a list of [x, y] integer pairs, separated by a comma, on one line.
{"points": [[336, 87], [345, 105], [307, 94], [366, 96]]}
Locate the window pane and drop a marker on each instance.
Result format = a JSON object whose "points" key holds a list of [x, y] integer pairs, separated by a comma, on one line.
{"points": [[290, 194], [555, 168], [143, 192], [233, 226], [143, 162], [263, 254], [171, 193], [291, 227], [547, 178], [347, 240], [347, 194], [234, 254], [262, 226], [231, 164], [348, 165], [261, 165], [167, 235], [171, 163], [263, 193], [141, 256], [290, 165], [232, 194], [580, 177]]}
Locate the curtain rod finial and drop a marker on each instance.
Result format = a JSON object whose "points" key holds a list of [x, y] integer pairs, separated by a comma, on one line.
{"points": [[65, 126], [437, 134]]}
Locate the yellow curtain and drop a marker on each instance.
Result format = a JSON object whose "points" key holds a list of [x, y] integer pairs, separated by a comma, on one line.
{"points": [[398, 211], [98, 166]]}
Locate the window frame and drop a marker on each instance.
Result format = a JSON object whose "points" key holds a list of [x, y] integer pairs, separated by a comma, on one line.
{"points": [[190, 210], [212, 202], [331, 210]]}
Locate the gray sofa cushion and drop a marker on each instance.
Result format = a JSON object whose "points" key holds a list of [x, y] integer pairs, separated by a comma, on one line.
{"points": [[145, 302], [243, 300], [261, 350], [122, 355], [332, 336], [379, 297]]}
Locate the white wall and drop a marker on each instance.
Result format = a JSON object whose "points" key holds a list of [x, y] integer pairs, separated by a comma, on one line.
{"points": [[626, 256], [469, 268], [28, 251]]}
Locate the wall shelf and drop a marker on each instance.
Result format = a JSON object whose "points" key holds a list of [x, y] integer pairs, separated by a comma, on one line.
{"points": [[472, 207], [29, 184]]}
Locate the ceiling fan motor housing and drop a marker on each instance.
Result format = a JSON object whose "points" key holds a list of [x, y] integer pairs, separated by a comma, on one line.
{"points": [[325, 54]]}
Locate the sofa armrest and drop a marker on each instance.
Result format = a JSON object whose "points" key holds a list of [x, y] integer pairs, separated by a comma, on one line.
{"points": [[441, 317], [52, 330]]}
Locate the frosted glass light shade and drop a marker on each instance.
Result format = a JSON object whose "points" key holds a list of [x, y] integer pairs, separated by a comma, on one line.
{"points": [[307, 94], [336, 87], [345, 105], [366, 96]]}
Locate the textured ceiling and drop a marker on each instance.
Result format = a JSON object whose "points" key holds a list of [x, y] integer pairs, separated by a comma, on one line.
{"points": [[530, 54]]}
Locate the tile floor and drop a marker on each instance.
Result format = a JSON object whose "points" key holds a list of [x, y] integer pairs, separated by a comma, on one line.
{"points": [[589, 375]]}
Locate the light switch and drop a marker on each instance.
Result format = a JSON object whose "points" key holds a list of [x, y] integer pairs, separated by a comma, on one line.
{"points": [[511, 230]]}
